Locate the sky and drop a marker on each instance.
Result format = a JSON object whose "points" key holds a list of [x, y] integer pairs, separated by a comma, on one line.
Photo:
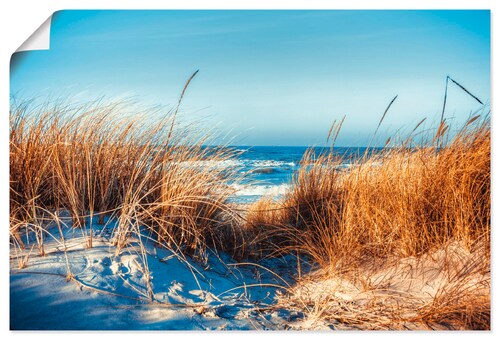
{"points": [[270, 77]]}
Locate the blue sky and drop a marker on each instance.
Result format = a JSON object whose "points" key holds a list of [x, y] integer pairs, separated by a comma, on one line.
{"points": [[269, 77]]}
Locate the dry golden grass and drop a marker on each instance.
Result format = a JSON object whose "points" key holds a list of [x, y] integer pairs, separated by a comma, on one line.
{"points": [[382, 231], [400, 203], [138, 167]]}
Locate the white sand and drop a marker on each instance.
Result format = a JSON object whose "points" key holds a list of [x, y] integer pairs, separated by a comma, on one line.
{"points": [[110, 292]]}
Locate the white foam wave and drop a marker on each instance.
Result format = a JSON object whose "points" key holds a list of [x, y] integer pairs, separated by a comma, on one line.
{"points": [[219, 164], [232, 163], [260, 190], [271, 163]]}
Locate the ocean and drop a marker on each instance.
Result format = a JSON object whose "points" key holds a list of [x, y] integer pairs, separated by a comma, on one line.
{"points": [[270, 169]]}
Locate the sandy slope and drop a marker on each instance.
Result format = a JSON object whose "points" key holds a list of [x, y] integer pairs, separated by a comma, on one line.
{"points": [[397, 294], [109, 291]]}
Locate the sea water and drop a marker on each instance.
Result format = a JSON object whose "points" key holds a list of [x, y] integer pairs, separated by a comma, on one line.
{"points": [[269, 170]]}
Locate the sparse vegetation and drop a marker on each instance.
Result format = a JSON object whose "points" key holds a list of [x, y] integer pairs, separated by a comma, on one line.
{"points": [[406, 202], [381, 232], [112, 161]]}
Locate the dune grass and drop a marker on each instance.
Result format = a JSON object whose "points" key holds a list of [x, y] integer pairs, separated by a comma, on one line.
{"points": [[404, 202], [98, 161], [395, 222], [74, 166]]}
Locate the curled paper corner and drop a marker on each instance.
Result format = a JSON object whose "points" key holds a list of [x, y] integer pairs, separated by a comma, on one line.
{"points": [[39, 40]]}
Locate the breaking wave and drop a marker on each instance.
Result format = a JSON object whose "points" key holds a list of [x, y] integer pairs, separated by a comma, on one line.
{"points": [[261, 190]]}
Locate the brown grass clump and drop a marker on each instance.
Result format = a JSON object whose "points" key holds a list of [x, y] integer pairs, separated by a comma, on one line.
{"points": [[137, 167], [402, 202], [257, 228]]}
